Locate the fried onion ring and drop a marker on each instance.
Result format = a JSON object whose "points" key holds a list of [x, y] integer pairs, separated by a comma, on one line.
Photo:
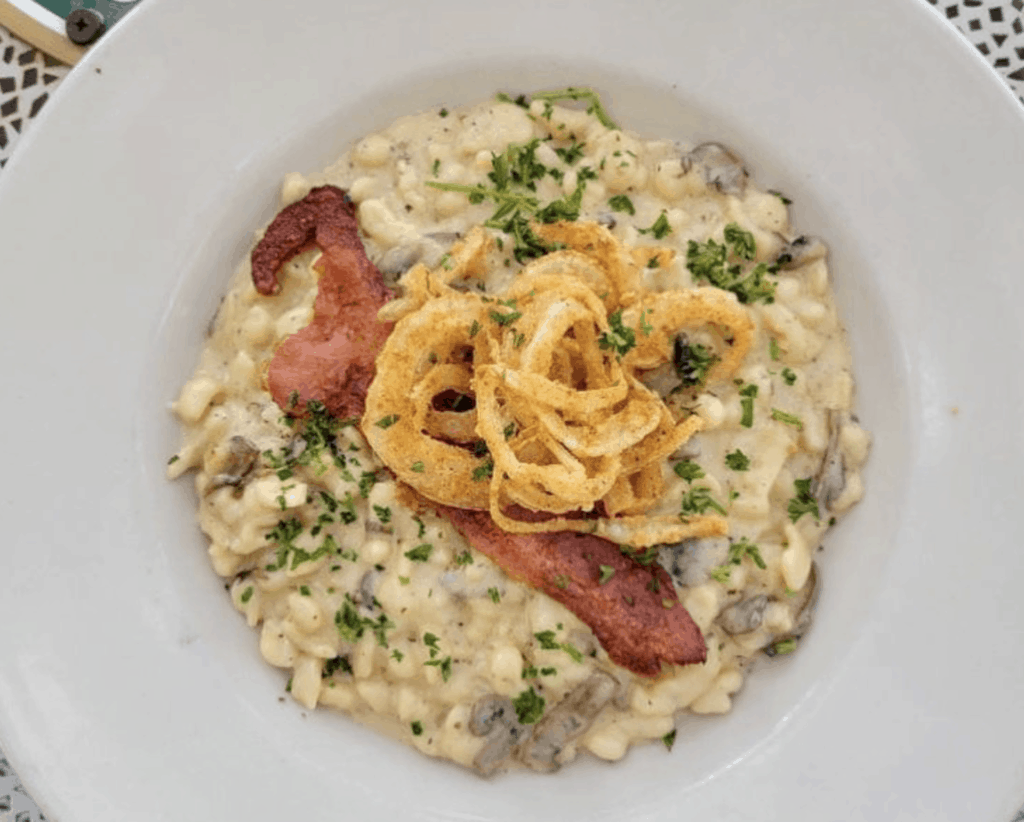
{"points": [[563, 422]]}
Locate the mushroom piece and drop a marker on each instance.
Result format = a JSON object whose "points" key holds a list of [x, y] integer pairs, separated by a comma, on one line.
{"points": [[367, 587], [607, 219], [232, 464], [398, 259], [495, 717], [744, 616], [689, 562], [567, 721], [723, 170], [830, 480], [800, 251], [803, 609]]}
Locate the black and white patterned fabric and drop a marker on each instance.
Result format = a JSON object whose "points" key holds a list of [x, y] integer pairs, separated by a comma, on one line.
{"points": [[28, 77], [996, 30]]}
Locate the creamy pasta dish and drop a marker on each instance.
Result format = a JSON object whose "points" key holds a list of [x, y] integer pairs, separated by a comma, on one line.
{"points": [[517, 434]]}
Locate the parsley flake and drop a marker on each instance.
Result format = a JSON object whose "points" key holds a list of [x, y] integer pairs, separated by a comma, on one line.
{"points": [[421, 553], [529, 706], [620, 202], [737, 461], [659, 229], [787, 418], [803, 502], [618, 338], [688, 470]]}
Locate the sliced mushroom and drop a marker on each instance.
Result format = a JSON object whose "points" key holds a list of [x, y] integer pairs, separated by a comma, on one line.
{"points": [[232, 464], [830, 480], [367, 587], [804, 602], [801, 251], [803, 609], [398, 259], [445, 238], [567, 721], [607, 219], [744, 616], [722, 169], [690, 561], [495, 717]]}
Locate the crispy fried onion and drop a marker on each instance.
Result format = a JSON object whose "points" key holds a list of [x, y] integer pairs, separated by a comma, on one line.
{"points": [[519, 401]]}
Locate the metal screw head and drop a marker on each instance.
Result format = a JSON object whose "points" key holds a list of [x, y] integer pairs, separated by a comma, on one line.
{"points": [[84, 26]]}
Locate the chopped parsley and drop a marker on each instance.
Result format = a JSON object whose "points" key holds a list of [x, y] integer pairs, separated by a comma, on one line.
{"points": [[383, 513], [783, 646], [571, 154], [741, 242], [351, 625], [421, 553], [246, 595], [418, 467], [698, 501], [660, 228], [366, 481], [474, 329], [747, 395], [436, 167], [494, 594], [669, 739], [607, 572], [444, 665], [691, 362], [737, 552], [803, 502], [737, 461], [773, 349], [484, 471], [708, 261], [618, 338], [505, 319], [417, 728], [549, 643], [781, 196], [589, 96], [788, 375], [332, 666], [465, 558], [620, 202], [645, 327], [786, 417], [388, 421], [688, 470], [529, 706]]}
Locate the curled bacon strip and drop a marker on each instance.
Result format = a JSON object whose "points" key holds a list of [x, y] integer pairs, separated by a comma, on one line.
{"points": [[331, 359], [635, 614]]}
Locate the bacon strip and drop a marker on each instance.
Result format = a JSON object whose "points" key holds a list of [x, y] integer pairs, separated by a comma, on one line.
{"points": [[635, 615], [331, 359]]}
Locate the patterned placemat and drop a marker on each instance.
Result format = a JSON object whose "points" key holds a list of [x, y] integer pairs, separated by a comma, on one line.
{"points": [[28, 77]]}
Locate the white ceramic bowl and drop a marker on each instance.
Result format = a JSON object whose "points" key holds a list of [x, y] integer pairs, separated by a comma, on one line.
{"points": [[130, 689]]}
